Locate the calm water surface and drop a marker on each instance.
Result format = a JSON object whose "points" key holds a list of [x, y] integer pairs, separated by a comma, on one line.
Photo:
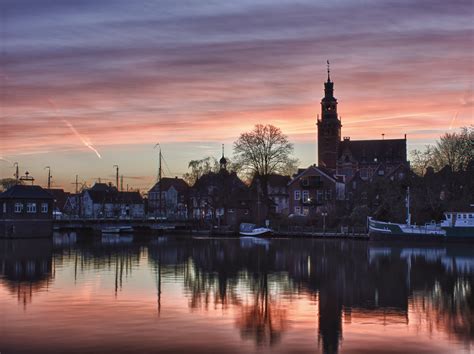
{"points": [[183, 294]]}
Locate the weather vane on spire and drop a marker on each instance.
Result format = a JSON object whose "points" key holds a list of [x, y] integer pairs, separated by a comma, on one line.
{"points": [[329, 78]]}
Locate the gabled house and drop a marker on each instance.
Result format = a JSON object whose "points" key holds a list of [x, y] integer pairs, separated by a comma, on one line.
{"points": [[174, 198], [60, 198], [315, 190]]}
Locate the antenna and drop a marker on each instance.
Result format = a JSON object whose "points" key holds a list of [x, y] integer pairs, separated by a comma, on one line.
{"points": [[76, 183], [116, 175], [121, 183], [159, 177], [222, 150], [49, 176], [329, 71], [17, 173]]}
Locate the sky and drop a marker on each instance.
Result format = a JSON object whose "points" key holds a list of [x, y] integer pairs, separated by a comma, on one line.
{"points": [[89, 84]]}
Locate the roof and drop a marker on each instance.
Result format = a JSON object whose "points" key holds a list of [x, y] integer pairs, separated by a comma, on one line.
{"points": [[278, 180], [374, 150], [323, 171], [166, 183], [59, 196], [26, 192]]}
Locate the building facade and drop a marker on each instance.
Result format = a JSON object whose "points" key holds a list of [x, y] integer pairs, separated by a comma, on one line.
{"points": [[174, 198], [26, 212], [313, 191]]}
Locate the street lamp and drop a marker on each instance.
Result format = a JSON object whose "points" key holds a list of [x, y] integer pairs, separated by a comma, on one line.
{"points": [[324, 214]]}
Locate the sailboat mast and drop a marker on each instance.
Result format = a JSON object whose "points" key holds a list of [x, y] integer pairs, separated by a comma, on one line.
{"points": [[408, 207]]}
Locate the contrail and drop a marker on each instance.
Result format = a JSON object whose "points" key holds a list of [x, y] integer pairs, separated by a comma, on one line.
{"points": [[84, 140], [452, 120], [5, 159]]}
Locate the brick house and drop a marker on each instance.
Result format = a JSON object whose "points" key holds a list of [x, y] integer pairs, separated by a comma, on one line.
{"points": [[314, 190]]}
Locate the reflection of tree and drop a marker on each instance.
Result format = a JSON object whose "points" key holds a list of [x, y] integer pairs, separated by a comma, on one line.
{"points": [[263, 320]]}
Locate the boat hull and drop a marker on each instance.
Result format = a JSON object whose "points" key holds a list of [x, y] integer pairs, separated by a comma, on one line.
{"points": [[380, 230]]}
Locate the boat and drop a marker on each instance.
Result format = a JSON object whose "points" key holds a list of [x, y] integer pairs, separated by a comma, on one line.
{"points": [[117, 230], [455, 225], [247, 229]]}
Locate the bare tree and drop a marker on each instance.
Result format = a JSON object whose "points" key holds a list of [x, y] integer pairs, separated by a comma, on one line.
{"points": [[422, 159], [263, 151], [453, 149]]}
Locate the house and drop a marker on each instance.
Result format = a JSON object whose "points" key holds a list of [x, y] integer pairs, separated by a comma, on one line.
{"points": [[221, 198], [277, 192], [105, 201], [26, 212], [174, 198], [315, 190]]}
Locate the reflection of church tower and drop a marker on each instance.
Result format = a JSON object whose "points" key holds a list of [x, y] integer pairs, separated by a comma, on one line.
{"points": [[223, 160], [329, 128]]}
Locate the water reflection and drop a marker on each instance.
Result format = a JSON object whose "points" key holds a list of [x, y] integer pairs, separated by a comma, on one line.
{"points": [[276, 294]]}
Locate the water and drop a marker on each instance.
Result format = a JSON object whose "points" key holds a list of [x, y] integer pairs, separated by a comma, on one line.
{"points": [[182, 295]]}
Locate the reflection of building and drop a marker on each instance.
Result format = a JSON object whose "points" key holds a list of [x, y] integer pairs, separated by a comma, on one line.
{"points": [[26, 211], [25, 266]]}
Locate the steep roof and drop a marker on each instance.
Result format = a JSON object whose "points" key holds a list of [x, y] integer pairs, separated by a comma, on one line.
{"points": [[166, 183], [371, 151], [112, 196], [25, 192]]}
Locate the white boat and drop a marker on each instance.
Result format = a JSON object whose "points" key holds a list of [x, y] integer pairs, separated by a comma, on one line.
{"points": [[251, 230], [117, 230]]}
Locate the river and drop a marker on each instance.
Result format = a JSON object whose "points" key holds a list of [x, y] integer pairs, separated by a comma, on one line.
{"points": [[179, 294]]}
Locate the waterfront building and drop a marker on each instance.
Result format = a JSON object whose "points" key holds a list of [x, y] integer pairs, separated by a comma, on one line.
{"points": [[105, 201], [315, 190], [60, 198], [26, 212], [345, 157], [174, 198], [277, 193]]}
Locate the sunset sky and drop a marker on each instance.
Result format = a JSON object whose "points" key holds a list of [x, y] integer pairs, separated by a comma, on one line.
{"points": [[119, 76]]}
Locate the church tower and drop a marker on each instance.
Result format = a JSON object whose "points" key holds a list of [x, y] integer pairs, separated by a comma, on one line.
{"points": [[329, 128]]}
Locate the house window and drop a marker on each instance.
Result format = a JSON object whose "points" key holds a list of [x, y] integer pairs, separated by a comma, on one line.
{"points": [[4, 207], [44, 207], [305, 182], [297, 195], [381, 172], [319, 196], [31, 207], [305, 211], [363, 173], [305, 196], [18, 207], [297, 210], [328, 194]]}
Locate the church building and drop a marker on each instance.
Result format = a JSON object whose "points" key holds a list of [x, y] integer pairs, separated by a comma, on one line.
{"points": [[346, 157]]}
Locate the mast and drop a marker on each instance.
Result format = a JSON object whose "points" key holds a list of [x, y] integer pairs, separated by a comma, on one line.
{"points": [[408, 207], [116, 176], [49, 176]]}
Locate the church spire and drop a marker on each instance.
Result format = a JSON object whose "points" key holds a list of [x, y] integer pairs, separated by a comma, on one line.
{"points": [[223, 160]]}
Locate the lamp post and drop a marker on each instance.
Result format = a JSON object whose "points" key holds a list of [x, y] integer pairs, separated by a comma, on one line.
{"points": [[324, 214]]}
